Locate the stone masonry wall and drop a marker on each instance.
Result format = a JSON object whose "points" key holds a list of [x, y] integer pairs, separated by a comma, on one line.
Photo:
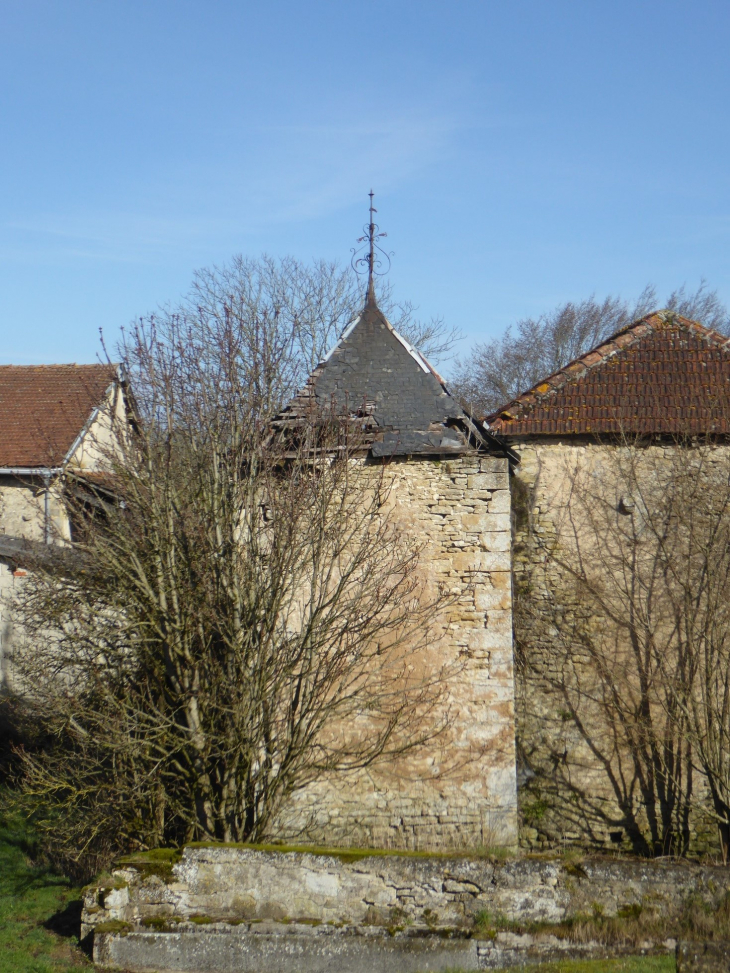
{"points": [[229, 884], [459, 792], [22, 509], [569, 776], [224, 909], [22, 514]]}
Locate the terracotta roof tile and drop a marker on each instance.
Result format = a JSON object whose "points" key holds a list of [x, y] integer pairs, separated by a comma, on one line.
{"points": [[43, 408], [662, 374]]}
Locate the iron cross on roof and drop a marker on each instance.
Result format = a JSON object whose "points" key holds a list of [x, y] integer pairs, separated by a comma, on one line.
{"points": [[372, 262]]}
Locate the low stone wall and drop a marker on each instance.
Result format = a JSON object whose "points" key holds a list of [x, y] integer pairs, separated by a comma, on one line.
{"points": [[438, 912]]}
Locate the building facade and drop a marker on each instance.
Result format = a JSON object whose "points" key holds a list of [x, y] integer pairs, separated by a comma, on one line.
{"points": [[634, 429], [502, 510], [56, 426]]}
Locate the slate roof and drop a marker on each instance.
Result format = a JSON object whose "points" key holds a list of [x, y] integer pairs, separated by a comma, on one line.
{"points": [[663, 374], [43, 409], [374, 377]]}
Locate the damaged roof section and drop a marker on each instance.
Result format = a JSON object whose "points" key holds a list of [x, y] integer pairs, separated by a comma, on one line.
{"points": [[374, 378]]}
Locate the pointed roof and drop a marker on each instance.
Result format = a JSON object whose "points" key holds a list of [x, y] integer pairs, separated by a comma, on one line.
{"points": [[663, 374], [374, 376]]}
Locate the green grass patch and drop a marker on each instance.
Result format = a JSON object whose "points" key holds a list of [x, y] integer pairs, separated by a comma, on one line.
{"points": [[157, 861], [33, 903], [166, 856], [625, 964], [115, 926], [355, 854]]}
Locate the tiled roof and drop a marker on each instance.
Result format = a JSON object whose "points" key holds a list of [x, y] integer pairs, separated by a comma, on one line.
{"points": [[43, 408], [374, 377], [664, 374]]}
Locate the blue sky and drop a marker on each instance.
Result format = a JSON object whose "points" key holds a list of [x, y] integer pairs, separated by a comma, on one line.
{"points": [[522, 153]]}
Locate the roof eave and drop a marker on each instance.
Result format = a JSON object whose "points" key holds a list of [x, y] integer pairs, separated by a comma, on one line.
{"points": [[43, 471]]}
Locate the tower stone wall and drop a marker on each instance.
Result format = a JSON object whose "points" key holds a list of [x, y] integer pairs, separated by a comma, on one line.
{"points": [[580, 781], [458, 791]]}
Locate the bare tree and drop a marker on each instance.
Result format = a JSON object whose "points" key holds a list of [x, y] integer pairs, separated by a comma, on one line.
{"points": [[690, 530], [638, 629], [239, 615], [496, 371], [702, 305], [311, 304]]}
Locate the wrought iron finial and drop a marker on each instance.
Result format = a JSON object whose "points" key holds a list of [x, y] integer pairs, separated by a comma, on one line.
{"points": [[374, 261]]}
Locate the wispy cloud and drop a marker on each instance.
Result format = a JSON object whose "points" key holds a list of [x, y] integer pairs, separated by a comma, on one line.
{"points": [[317, 169], [103, 236], [269, 175]]}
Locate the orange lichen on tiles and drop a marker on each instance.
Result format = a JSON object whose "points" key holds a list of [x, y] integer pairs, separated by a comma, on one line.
{"points": [[663, 374]]}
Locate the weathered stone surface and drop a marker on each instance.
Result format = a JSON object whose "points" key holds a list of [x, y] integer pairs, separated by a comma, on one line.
{"points": [[235, 909], [243, 950], [275, 949], [577, 777], [712, 957], [460, 792], [240, 884], [272, 948]]}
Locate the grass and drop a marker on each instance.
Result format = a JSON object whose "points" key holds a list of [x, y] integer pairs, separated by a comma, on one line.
{"points": [[39, 911], [627, 964], [350, 854]]}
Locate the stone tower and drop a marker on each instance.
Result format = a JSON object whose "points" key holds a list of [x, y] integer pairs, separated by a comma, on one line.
{"points": [[450, 487]]}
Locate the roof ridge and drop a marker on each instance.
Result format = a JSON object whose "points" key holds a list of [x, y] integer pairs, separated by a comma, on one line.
{"points": [[604, 350], [102, 365]]}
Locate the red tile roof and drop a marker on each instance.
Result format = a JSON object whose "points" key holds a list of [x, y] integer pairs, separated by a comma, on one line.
{"points": [[43, 408], [664, 374]]}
